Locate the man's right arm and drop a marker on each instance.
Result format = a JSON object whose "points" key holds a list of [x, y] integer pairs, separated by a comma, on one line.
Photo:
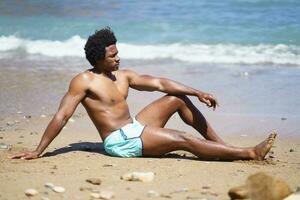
{"points": [[72, 98]]}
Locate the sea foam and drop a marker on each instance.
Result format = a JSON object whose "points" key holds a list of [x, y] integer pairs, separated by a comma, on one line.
{"points": [[197, 53]]}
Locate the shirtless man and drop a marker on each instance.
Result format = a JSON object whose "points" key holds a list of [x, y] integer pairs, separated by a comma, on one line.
{"points": [[103, 90]]}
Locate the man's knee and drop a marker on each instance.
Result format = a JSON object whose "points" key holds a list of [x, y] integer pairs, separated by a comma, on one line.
{"points": [[179, 100]]}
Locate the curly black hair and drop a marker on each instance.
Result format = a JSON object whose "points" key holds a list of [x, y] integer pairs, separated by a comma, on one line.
{"points": [[96, 43]]}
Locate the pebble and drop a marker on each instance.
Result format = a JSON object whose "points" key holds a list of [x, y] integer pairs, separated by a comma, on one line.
{"points": [[31, 192], [292, 150], [95, 181], [138, 176], [293, 197], [43, 116], [49, 185], [107, 195], [108, 165], [152, 193], [58, 189], [3, 146], [95, 195]]}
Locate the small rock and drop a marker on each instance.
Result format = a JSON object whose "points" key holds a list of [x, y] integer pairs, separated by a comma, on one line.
{"points": [[95, 181], [106, 195], [261, 186], [138, 176], [27, 116], [9, 123], [3, 146], [152, 193], [31, 192], [108, 165], [43, 116], [95, 195], [49, 185], [293, 197], [206, 187], [292, 150], [85, 189], [19, 112], [58, 189]]}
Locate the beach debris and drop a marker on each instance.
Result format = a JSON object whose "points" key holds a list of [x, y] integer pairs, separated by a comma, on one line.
{"points": [[295, 196], [152, 193], [106, 194], [138, 176], [31, 192], [108, 165], [3, 146], [261, 186], [49, 185], [206, 187], [94, 181], [95, 195], [102, 195], [10, 123], [58, 189]]}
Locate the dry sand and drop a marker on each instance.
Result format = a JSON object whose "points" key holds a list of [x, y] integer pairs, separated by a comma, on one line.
{"points": [[77, 154]]}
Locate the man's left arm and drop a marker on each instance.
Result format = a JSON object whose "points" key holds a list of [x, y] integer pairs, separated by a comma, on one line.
{"points": [[150, 83]]}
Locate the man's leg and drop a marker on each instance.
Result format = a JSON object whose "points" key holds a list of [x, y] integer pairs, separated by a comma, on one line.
{"points": [[159, 112], [159, 141]]}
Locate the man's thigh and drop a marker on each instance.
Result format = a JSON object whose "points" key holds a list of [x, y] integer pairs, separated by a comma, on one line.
{"points": [[159, 112], [159, 141]]}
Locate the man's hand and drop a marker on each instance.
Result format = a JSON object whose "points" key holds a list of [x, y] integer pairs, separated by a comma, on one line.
{"points": [[209, 100], [26, 155]]}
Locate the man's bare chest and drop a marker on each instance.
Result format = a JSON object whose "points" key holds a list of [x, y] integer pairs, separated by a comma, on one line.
{"points": [[108, 91]]}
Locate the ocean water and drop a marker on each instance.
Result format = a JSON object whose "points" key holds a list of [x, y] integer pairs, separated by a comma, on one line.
{"points": [[247, 52]]}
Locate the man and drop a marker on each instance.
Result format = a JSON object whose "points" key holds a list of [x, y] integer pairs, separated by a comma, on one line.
{"points": [[103, 90]]}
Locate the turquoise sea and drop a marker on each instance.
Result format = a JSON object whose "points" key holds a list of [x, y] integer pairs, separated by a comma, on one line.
{"points": [[246, 52]]}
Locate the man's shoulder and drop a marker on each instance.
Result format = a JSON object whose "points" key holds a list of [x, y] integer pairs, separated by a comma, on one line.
{"points": [[83, 78]]}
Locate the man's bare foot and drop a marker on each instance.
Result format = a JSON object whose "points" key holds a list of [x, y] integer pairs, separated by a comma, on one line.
{"points": [[263, 148]]}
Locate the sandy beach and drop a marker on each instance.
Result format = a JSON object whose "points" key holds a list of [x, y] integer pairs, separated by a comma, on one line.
{"points": [[245, 53], [77, 154]]}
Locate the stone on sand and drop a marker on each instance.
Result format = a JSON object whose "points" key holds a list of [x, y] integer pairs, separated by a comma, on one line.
{"points": [[58, 189], [94, 181], [261, 186], [102, 195], [293, 197], [138, 176], [152, 193], [31, 192]]}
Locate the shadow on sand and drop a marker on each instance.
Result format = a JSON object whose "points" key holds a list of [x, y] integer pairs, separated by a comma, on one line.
{"points": [[94, 147]]}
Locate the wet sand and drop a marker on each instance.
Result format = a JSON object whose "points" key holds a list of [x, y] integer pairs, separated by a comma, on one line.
{"points": [[77, 154]]}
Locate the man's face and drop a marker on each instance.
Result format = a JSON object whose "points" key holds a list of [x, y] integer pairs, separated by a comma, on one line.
{"points": [[112, 60]]}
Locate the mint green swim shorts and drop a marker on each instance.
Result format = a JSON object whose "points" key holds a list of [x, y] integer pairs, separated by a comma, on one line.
{"points": [[126, 141]]}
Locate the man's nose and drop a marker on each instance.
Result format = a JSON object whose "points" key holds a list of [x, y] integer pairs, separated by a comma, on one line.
{"points": [[117, 59]]}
